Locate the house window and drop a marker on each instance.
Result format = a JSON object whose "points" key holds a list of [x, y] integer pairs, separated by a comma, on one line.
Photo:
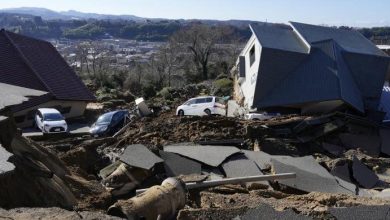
{"points": [[242, 66], [66, 110], [252, 55], [19, 119]]}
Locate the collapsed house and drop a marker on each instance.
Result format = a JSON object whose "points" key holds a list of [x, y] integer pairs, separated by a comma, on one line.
{"points": [[36, 64], [311, 69]]}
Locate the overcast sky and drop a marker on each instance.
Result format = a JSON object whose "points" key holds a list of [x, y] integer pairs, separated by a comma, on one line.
{"points": [[331, 12]]}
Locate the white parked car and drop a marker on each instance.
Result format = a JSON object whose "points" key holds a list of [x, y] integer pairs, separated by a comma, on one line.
{"points": [[205, 105], [50, 120], [261, 116]]}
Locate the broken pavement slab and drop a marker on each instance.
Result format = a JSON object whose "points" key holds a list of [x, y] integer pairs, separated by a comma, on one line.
{"points": [[333, 149], [53, 213], [385, 139], [262, 159], [240, 166], [210, 155], [370, 144], [265, 211], [342, 172], [140, 156], [310, 176], [363, 175], [176, 165], [361, 212]]}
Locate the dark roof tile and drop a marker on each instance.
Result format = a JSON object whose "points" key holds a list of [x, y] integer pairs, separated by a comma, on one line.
{"points": [[36, 64]]}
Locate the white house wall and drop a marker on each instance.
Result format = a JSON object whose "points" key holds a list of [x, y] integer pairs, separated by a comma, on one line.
{"points": [[248, 84]]}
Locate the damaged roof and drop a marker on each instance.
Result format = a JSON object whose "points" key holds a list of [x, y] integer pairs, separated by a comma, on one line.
{"points": [[278, 37], [325, 64], [36, 64]]}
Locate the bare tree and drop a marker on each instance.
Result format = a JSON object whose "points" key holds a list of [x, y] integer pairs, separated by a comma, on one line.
{"points": [[200, 40], [167, 61]]}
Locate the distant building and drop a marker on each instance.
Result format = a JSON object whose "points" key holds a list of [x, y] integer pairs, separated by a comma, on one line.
{"points": [[308, 68], [36, 64]]}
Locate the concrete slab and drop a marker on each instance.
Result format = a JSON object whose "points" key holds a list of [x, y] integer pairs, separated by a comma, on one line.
{"points": [[5, 166], [310, 175], [176, 165], [262, 159], [265, 211], [210, 155], [333, 149], [370, 144], [342, 172], [352, 188], [385, 141], [363, 175], [361, 212], [213, 173], [138, 155]]}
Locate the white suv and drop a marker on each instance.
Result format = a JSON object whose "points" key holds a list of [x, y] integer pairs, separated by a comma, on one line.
{"points": [[205, 105], [50, 120]]}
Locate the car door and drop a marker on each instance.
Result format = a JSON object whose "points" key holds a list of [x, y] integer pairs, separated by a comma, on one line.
{"points": [[199, 106], [190, 107], [115, 124]]}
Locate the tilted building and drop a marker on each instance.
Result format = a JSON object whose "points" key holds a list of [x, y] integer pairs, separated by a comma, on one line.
{"points": [[309, 68]]}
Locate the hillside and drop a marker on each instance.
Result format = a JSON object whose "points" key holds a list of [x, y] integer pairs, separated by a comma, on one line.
{"points": [[44, 23], [145, 30]]}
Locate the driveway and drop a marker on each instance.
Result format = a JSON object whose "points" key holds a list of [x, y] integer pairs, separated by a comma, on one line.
{"points": [[74, 128]]}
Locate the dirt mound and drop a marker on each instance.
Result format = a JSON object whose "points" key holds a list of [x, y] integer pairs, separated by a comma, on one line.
{"points": [[168, 128]]}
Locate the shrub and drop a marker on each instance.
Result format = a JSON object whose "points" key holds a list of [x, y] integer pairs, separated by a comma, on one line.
{"points": [[223, 87], [166, 93], [148, 91]]}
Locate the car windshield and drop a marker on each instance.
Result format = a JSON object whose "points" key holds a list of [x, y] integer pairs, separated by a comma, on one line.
{"points": [[104, 119], [53, 117]]}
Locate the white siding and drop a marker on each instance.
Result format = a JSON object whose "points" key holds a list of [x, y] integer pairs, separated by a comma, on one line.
{"points": [[248, 85]]}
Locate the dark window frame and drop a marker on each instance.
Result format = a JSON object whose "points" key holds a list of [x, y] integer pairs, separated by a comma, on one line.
{"points": [[252, 55]]}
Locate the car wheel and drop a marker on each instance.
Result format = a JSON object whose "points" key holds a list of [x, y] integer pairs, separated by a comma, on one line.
{"points": [[180, 113], [207, 111]]}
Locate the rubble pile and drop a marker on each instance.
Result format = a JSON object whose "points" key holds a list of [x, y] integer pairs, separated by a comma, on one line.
{"points": [[338, 160], [167, 129], [340, 157]]}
